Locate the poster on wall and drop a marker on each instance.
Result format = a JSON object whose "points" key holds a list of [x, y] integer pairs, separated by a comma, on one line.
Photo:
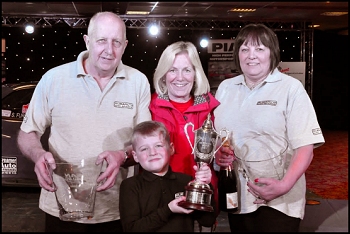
{"points": [[294, 69], [220, 65]]}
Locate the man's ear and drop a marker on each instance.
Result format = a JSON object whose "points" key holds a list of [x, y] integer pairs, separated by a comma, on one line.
{"points": [[171, 148], [135, 157]]}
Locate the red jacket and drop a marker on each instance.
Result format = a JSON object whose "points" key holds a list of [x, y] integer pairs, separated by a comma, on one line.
{"points": [[163, 111]]}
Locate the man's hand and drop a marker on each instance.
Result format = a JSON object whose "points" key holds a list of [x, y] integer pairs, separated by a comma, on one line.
{"points": [[44, 166], [114, 161]]}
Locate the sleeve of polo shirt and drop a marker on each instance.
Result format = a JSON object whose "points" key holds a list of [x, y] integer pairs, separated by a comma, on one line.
{"points": [[144, 100], [303, 127], [38, 116]]}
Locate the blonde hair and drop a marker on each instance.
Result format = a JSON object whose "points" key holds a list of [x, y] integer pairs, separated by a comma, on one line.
{"points": [[150, 128], [201, 83]]}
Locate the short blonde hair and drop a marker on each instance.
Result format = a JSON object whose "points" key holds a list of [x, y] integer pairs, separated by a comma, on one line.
{"points": [[201, 83], [150, 128]]}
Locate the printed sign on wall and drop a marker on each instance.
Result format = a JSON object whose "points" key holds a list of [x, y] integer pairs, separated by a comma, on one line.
{"points": [[220, 65], [295, 69]]}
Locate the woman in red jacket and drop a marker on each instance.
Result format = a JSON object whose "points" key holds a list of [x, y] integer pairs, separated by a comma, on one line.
{"points": [[182, 95]]}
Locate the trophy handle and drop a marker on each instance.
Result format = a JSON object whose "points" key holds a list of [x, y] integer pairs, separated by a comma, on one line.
{"points": [[188, 137], [226, 139]]}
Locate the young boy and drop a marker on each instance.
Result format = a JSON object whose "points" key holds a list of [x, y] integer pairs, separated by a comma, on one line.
{"points": [[149, 200]]}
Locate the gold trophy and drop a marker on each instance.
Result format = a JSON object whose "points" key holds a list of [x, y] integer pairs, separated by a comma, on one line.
{"points": [[198, 195]]}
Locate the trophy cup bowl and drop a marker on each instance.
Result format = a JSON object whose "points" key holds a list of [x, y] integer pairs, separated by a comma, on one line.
{"points": [[198, 194]]}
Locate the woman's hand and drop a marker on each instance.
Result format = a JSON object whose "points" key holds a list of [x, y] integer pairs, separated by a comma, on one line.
{"points": [[267, 189], [224, 156]]}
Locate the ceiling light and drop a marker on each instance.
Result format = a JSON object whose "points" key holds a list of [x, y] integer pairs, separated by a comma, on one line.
{"points": [[334, 13], [137, 12], [154, 29], [29, 27], [314, 26], [242, 10], [204, 42]]}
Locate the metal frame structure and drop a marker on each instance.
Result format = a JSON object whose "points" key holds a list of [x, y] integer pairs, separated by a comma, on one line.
{"points": [[178, 23], [306, 40], [19, 21]]}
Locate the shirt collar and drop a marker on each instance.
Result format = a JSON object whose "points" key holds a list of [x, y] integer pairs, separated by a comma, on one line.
{"points": [[272, 77], [151, 177], [119, 73], [198, 99]]}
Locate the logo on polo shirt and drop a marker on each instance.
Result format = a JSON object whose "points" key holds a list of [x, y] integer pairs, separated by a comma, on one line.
{"points": [[123, 105], [267, 102], [316, 131]]}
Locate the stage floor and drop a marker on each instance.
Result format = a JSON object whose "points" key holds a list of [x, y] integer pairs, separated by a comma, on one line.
{"points": [[20, 213]]}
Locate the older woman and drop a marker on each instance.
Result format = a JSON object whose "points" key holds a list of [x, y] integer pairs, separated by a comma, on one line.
{"points": [[264, 101], [182, 96]]}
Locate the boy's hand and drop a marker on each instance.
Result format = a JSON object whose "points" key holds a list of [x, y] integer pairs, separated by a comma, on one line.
{"points": [[175, 208], [203, 174]]}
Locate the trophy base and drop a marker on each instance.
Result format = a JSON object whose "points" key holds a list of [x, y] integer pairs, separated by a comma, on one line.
{"points": [[198, 197], [192, 206]]}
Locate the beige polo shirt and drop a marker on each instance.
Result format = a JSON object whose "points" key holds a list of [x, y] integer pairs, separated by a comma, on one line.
{"points": [[86, 121], [279, 106]]}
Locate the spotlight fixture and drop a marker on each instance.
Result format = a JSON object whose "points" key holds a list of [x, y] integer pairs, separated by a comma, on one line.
{"points": [[29, 27], [204, 42], [154, 29]]}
